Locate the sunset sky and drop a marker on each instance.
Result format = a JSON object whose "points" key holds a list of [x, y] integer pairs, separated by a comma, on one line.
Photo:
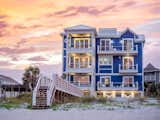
{"points": [[30, 29]]}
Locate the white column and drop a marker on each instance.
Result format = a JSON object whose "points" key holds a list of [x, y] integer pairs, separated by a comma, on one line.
{"points": [[92, 90]]}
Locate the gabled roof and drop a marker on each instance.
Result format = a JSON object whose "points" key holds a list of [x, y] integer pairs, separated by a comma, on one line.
{"points": [[7, 80], [127, 29], [80, 27], [150, 68]]}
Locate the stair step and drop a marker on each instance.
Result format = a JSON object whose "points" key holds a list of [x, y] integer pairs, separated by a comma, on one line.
{"points": [[40, 107]]}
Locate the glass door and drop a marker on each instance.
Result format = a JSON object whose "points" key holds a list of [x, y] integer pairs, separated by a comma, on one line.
{"points": [[128, 63], [128, 45]]}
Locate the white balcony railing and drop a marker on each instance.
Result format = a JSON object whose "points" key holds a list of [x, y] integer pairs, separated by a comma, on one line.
{"points": [[150, 78], [118, 86], [80, 65], [117, 50], [128, 68], [56, 83], [80, 84]]}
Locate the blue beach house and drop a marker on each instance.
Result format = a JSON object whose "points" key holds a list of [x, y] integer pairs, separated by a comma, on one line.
{"points": [[107, 62]]}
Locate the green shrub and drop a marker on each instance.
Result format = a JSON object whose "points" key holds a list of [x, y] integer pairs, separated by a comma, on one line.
{"points": [[102, 100], [87, 99], [16, 101]]}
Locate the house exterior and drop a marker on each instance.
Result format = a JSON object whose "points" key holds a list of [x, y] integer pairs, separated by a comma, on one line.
{"points": [[105, 62], [7, 86], [151, 74]]}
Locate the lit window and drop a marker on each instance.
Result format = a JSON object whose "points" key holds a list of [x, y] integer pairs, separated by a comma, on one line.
{"points": [[105, 60], [105, 81], [128, 81]]}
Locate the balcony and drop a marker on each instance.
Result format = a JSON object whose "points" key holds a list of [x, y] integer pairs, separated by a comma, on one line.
{"points": [[83, 86], [131, 69], [117, 50], [80, 67], [149, 78], [79, 50], [117, 86]]}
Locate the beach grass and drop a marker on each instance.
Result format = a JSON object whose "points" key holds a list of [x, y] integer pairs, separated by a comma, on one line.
{"points": [[16, 102]]}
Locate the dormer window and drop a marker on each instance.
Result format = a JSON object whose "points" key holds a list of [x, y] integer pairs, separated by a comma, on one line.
{"points": [[128, 44]]}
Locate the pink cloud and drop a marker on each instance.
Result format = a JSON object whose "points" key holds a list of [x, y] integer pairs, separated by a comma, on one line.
{"points": [[37, 58]]}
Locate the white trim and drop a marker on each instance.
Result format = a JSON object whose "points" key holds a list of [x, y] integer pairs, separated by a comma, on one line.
{"points": [[105, 41], [128, 39], [126, 57], [115, 74], [111, 57]]}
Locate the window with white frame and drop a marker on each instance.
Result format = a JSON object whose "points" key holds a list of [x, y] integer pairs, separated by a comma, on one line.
{"points": [[104, 44], [82, 42], [128, 81], [105, 81], [105, 60], [128, 44]]}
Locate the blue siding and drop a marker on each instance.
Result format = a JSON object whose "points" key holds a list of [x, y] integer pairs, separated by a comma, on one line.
{"points": [[117, 59], [138, 78]]}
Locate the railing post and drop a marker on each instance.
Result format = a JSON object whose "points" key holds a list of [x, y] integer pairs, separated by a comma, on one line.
{"points": [[98, 49], [79, 83]]}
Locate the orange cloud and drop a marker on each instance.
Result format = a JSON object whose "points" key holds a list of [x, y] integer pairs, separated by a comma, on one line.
{"points": [[30, 28]]}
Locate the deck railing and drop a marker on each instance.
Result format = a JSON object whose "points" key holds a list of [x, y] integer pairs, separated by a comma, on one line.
{"points": [[128, 68], [116, 49], [56, 83], [118, 86]]}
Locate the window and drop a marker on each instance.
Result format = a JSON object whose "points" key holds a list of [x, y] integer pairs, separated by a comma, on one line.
{"points": [[105, 81], [105, 60], [128, 81], [104, 44], [128, 44], [82, 43], [71, 62], [82, 79], [86, 43], [128, 62]]}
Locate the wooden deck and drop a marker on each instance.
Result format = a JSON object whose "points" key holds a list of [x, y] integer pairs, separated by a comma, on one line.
{"points": [[49, 91]]}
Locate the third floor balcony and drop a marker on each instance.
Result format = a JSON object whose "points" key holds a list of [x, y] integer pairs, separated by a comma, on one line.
{"points": [[117, 50], [80, 45]]}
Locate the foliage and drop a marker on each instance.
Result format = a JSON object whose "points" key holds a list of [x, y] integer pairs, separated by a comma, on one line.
{"points": [[153, 89], [30, 77], [87, 99], [15, 102]]}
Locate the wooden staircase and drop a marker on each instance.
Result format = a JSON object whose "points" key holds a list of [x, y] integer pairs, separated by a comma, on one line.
{"points": [[41, 98], [44, 93]]}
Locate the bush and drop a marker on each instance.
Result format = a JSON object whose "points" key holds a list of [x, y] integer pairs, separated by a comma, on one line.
{"points": [[17, 101], [102, 100], [87, 99]]}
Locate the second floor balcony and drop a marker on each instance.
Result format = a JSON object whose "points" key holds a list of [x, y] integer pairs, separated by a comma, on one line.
{"points": [[128, 69], [117, 50], [80, 67]]}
